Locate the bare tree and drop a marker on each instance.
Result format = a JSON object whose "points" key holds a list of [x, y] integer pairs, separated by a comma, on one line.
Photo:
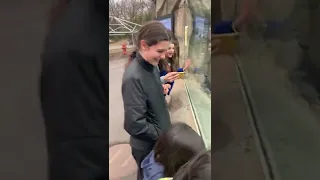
{"points": [[138, 11], [112, 7]]}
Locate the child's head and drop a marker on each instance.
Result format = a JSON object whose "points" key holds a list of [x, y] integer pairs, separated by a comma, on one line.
{"points": [[171, 55], [173, 49], [152, 42], [170, 51], [198, 168], [176, 147]]}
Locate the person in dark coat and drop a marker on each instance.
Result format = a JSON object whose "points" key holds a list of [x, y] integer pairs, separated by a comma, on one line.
{"points": [[74, 91], [146, 111]]}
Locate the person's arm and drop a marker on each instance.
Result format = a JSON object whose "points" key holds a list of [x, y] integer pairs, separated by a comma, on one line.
{"points": [[166, 78], [162, 76], [244, 14], [135, 109], [162, 79], [151, 169], [186, 66]]}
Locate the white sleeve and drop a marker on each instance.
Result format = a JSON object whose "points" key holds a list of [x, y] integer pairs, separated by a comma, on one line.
{"points": [[163, 81]]}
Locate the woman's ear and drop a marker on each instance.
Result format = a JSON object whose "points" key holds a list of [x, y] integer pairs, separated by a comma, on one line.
{"points": [[144, 45]]}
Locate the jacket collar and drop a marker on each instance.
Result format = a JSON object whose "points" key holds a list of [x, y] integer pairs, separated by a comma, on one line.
{"points": [[145, 64]]}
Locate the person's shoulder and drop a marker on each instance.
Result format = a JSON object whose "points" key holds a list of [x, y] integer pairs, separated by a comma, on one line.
{"points": [[150, 168], [132, 72], [149, 159]]}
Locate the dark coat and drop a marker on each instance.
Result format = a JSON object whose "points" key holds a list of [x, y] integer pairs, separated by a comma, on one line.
{"points": [[74, 92], [146, 111]]}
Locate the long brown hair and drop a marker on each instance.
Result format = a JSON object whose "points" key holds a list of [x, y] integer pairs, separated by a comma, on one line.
{"points": [[174, 60], [152, 32], [176, 147], [198, 168]]}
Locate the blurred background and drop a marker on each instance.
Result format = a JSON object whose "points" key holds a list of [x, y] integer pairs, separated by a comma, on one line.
{"points": [[22, 137], [273, 46]]}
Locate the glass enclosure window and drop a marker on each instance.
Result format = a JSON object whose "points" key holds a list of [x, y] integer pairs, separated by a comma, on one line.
{"points": [[198, 82], [279, 60]]}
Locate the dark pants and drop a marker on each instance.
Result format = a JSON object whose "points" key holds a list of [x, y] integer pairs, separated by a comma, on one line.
{"points": [[139, 155]]}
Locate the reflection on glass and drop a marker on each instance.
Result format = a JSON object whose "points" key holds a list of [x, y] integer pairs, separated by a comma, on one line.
{"points": [[199, 52], [166, 21], [198, 81], [201, 28], [279, 60]]}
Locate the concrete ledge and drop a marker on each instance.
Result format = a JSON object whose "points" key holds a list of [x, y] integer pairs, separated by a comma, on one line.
{"points": [[233, 142], [179, 106], [288, 126], [201, 108], [168, 99]]}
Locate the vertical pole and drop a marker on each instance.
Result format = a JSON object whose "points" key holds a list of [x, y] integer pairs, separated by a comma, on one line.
{"points": [[132, 39], [186, 47]]}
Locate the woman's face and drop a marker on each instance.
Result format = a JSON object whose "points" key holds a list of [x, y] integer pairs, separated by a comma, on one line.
{"points": [[170, 51], [154, 53]]}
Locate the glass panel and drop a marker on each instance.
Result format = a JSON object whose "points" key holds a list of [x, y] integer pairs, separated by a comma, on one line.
{"points": [[198, 81], [279, 62]]}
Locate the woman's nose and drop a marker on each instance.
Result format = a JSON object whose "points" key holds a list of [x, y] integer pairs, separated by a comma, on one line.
{"points": [[162, 56]]}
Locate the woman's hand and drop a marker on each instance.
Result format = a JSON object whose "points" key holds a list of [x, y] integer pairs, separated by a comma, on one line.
{"points": [[167, 85], [187, 64], [165, 88], [171, 76]]}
